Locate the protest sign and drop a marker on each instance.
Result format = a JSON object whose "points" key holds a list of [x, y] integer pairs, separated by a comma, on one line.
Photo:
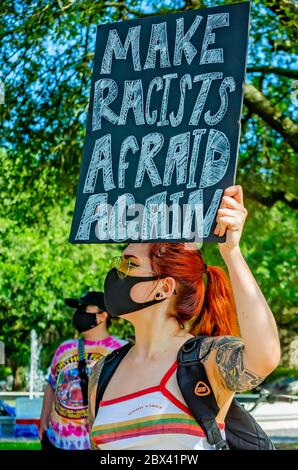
{"points": [[163, 126]]}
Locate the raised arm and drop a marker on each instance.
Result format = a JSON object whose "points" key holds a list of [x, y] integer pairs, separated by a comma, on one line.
{"points": [[243, 363]]}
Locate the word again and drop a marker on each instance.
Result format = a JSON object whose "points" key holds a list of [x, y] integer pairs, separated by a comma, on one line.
{"points": [[161, 217]]}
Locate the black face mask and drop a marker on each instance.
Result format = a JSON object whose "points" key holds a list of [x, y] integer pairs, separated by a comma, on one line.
{"points": [[117, 294], [83, 321]]}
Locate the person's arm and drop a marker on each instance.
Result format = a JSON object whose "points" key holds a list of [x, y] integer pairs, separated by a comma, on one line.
{"points": [[49, 394], [243, 363], [48, 399]]}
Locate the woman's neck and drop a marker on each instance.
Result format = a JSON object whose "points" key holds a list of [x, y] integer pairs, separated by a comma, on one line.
{"points": [[155, 335]]}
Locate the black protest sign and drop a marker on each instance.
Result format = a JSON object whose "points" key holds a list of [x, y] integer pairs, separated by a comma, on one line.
{"points": [[163, 126]]}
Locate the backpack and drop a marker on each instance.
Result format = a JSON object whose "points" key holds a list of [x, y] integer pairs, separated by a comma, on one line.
{"points": [[241, 429]]}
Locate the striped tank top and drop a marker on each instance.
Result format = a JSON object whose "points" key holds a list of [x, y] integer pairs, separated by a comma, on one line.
{"points": [[150, 419]]}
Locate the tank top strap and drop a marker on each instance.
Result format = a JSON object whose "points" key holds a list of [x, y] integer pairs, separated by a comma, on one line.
{"points": [[168, 374], [163, 389]]}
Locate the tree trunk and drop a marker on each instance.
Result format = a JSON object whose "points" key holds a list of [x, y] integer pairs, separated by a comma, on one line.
{"points": [[260, 105]]}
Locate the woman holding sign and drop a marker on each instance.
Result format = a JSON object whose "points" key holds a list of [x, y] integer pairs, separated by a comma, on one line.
{"points": [[170, 295]]}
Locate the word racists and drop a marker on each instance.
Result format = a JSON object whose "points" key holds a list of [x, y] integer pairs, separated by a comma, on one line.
{"points": [[106, 91]]}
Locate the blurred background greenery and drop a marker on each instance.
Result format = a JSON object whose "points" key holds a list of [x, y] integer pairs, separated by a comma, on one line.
{"points": [[46, 54]]}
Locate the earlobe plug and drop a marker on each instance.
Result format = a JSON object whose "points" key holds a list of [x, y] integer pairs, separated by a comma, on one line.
{"points": [[158, 295]]}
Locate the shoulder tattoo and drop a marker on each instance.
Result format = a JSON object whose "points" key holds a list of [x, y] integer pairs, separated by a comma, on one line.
{"points": [[93, 381], [229, 359]]}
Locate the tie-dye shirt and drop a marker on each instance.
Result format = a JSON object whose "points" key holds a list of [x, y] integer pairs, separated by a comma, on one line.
{"points": [[68, 428]]}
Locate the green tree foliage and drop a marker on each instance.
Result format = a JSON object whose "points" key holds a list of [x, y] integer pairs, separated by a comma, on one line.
{"points": [[46, 50], [37, 273]]}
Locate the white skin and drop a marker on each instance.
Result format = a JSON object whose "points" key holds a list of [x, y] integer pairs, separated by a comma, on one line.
{"points": [[94, 334], [158, 337]]}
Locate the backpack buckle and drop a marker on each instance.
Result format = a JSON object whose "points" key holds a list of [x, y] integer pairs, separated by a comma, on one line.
{"points": [[188, 353], [189, 345], [215, 438], [222, 445]]}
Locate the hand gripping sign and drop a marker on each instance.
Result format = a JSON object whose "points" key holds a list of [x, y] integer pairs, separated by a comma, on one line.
{"points": [[163, 126]]}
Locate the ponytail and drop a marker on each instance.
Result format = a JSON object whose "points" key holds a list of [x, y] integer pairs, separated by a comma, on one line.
{"points": [[210, 309], [218, 314]]}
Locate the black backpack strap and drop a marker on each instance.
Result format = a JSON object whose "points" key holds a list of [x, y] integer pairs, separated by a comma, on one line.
{"points": [[82, 367], [197, 391], [111, 363]]}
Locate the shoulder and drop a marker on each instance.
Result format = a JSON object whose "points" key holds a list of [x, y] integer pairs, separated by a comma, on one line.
{"points": [[95, 373], [92, 388], [113, 342], [93, 380], [98, 366], [219, 344], [65, 347]]}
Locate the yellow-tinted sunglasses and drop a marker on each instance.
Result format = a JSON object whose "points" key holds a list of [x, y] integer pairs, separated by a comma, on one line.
{"points": [[125, 265]]}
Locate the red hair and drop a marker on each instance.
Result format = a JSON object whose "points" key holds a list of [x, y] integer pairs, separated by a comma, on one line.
{"points": [[211, 308]]}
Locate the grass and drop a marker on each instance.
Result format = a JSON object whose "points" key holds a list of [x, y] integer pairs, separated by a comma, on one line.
{"points": [[35, 445], [287, 446], [20, 445]]}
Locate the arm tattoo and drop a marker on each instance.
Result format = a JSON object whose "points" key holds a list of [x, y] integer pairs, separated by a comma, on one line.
{"points": [[230, 362], [93, 381], [206, 348]]}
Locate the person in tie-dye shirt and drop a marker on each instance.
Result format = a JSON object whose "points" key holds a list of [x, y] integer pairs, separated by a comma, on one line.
{"points": [[63, 422]]}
